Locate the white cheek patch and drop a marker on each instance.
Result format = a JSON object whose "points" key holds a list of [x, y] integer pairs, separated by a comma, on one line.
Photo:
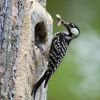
{"points": [[74, 31]]}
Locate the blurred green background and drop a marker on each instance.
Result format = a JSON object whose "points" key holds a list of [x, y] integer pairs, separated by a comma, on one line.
{"points": [[78, 76]]}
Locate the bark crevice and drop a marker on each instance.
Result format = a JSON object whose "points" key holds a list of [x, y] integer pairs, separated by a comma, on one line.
{"points": [[21, 62]]}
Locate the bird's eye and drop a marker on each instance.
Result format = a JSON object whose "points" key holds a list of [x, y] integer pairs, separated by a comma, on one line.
{"points": [[72, 25]]}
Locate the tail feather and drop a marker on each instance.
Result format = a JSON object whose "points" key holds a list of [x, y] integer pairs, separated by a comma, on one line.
{"points": [[47, 79], [37, 85]]}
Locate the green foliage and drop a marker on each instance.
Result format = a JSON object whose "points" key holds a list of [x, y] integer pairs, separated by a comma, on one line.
{"points": [[78, 76]]}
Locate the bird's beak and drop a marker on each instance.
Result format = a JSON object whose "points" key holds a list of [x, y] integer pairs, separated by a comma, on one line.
{"points": [[60, 21], [66, 24]]}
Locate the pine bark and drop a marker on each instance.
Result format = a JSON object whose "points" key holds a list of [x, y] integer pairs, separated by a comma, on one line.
{"points": [[23, 23]]}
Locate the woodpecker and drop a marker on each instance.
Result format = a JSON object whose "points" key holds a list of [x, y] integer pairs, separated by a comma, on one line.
{"points": [[58, 48]]}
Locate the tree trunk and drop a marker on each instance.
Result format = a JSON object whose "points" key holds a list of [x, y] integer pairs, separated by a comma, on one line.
{"points": [[23, 23]]}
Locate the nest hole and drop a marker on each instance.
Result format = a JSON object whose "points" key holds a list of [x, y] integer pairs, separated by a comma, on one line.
{"points": [[40, 33]]}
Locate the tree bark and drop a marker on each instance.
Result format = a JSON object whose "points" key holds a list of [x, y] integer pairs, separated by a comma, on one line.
{"points": [[23, 23]]}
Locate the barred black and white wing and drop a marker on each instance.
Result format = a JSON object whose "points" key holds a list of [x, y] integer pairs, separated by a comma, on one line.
{"points": [[57, 51]]}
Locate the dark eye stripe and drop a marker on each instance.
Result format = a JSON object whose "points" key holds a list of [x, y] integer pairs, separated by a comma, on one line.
{"points": [[73, 25]]}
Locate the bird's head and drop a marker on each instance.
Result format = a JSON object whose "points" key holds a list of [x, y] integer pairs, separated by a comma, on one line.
{"points": [[73, 30]]}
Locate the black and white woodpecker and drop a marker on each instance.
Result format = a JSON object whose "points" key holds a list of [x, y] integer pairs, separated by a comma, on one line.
{"points": [[58, 48]]}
